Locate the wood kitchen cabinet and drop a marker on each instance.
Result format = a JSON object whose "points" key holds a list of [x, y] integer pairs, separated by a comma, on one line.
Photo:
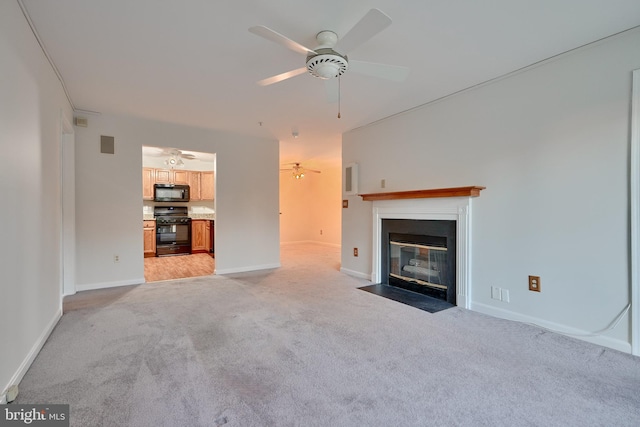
{"points": [[194, 185], [149, 230], [207, 186], [162, 176], [200, 241], [171, 176], [148, 179], [201, 184], [180, 177]]}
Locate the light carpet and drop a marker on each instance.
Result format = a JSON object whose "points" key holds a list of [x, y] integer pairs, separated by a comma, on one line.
{"points": [[302, 346]]}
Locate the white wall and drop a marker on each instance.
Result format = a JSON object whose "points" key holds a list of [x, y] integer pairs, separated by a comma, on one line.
{"points": [[310, 205], [551, 144], [109, 198], [31, 104]]}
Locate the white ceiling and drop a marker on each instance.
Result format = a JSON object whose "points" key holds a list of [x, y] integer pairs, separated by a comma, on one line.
{"points": [[194, 62]]}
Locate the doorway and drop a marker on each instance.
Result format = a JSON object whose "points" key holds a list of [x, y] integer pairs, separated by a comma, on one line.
{"points": [[164, 166]]}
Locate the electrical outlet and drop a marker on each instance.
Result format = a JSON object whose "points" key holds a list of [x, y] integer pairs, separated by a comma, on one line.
{"points": [[495, 292], [321, 232], [534, 283], [504, 295], [355, 251], [383, 183], [116, 258]]}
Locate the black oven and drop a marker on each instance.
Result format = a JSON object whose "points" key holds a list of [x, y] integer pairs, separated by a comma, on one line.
{"points": [[173, 230]]}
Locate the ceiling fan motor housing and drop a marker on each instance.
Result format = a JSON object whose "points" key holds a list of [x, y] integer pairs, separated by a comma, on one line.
{"points": [[327, 63]]}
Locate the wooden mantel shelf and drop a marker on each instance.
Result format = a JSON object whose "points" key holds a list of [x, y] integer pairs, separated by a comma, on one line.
{"points": [[425, 194]]}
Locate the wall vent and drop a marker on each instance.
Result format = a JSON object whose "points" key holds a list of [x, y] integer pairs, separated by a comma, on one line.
{"points": [[350, 179], [107, 144]]}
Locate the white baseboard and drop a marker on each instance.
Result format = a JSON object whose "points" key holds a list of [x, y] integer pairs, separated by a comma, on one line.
{"points": [[315, 242], [28, 360], [355, 273], [104, 285], [296, 242], [602, 340], [331, 245], [246, 269]]}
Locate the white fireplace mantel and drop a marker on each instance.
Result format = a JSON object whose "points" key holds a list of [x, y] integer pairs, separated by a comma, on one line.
{"points": [[445, 208]]}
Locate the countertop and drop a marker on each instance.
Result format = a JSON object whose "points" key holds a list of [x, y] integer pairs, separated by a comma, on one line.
{"points": [[149, 217], [202, 216]]}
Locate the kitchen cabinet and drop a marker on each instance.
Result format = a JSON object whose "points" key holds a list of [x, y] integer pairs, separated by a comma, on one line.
{"points": [[180, 177], [200, 241], [171, 176], [162, 176], [148, 179], [201, 184], [149, 231], [207, 186], [194, 185]]}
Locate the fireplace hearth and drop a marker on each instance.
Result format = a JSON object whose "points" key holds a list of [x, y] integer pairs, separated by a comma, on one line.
{"points": [[420, 256]]}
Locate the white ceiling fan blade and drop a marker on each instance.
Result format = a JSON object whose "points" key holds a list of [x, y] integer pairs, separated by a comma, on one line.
{"points": [[370, 25], [331, 90], [283, 76], [395, 73], [276, 37]]}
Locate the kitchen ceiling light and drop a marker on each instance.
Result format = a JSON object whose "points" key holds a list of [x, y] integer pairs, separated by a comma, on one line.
{"points": [[174, 162]]}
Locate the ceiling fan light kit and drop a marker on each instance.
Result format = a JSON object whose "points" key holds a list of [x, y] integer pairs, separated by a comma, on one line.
{"points": [[174, 162], [297, 171], [324, 62], [327, 64]]}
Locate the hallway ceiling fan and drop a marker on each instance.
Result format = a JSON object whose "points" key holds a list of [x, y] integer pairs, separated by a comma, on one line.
{"points": [[329, 59], [297, 171]]}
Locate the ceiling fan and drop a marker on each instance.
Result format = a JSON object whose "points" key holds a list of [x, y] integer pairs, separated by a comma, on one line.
{"points": [[173, 156], [178, 153], [164, 152], [297, 170], [329, 59]]}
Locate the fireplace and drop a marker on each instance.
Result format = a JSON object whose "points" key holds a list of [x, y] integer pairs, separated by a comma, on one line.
{"points": [[452, 205], [420, 256]]}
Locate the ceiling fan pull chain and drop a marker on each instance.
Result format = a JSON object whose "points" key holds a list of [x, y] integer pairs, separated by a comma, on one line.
{"points": [[338, 96]]}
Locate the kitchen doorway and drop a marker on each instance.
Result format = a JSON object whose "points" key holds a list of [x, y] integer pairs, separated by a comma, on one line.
{"points": [[194, 171]]}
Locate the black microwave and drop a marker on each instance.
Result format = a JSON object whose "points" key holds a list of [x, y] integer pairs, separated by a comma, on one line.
{"points": [[170, 193]]}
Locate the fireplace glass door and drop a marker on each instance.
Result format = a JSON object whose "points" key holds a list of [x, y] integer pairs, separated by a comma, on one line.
{"points": [[422, 266]]}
